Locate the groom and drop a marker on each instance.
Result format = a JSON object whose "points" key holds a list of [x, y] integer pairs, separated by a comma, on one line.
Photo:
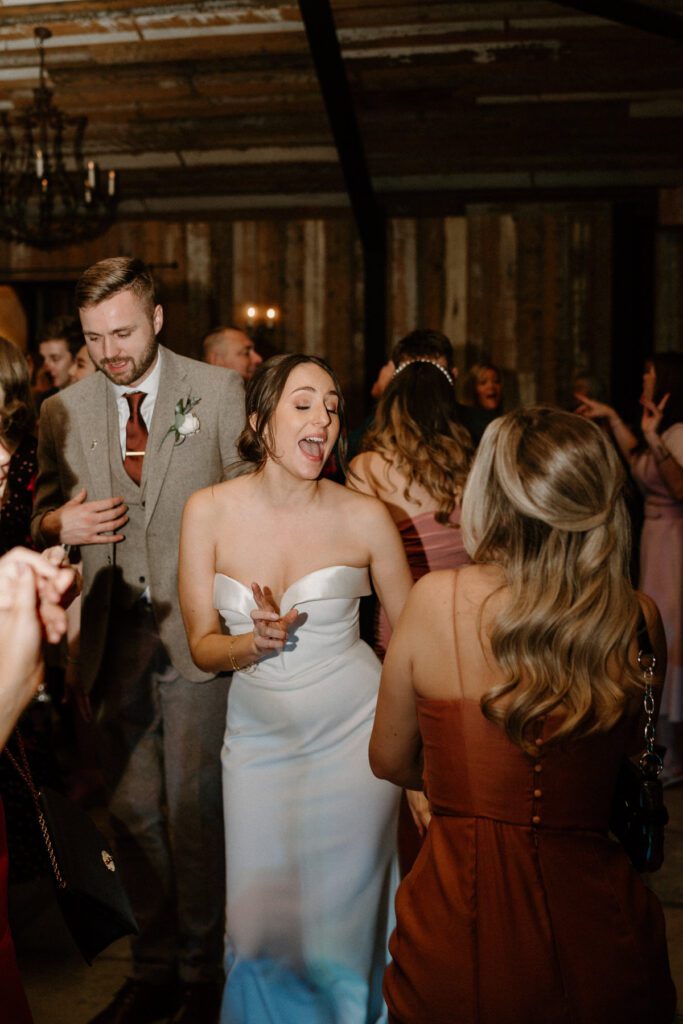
{"points": [[119, 454]]}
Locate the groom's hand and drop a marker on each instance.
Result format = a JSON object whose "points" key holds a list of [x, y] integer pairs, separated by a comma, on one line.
{"points": [[78, 521]]}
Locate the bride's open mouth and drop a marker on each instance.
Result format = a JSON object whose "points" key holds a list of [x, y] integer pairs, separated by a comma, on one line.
{"points": [[313, 447]]}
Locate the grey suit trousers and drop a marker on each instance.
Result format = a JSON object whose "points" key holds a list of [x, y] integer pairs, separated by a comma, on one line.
{"points": [[160, 740]]}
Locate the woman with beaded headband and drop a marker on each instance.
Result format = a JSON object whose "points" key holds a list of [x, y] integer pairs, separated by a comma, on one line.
{"points": [[416, 459], [512, 687], [310, 834]]}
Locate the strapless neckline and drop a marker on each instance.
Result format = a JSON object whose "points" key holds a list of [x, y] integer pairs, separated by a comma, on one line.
{"points": [[298, 582]]}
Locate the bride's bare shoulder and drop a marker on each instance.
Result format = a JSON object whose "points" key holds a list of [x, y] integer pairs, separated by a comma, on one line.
{"points": [[347, 502], [220, 497]]}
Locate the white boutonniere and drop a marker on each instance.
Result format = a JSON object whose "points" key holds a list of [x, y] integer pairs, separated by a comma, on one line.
{"points": [[185, 423]]}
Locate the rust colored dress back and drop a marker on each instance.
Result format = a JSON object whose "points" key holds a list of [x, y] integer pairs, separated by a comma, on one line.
{"points": [[520, 908]]}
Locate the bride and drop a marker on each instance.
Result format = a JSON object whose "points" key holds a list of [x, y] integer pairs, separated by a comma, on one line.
{"points": [[283, 558]]}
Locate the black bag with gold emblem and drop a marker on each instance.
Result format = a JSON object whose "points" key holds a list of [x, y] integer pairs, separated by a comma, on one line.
{"points": [[88, 886]]}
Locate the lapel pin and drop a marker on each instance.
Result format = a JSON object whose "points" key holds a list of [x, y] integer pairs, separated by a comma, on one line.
{"points": [[93, 446]]}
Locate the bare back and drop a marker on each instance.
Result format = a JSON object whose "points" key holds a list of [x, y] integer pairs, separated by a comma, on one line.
{"points": [[458, 663], [377, 476]]}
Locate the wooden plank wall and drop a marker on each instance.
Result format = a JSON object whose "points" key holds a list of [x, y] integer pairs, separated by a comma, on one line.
{"points": [[668, 290], [527, 286]]}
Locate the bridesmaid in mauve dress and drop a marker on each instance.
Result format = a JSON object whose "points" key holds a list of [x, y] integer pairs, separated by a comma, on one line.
{"points": [[416, 459], [657, 467]]}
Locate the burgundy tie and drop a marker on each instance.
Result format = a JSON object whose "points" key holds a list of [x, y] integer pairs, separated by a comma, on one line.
{"points": [[136, 437]]}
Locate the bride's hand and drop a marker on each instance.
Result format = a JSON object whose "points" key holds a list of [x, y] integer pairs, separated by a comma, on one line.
{"points": [[270, 628]]}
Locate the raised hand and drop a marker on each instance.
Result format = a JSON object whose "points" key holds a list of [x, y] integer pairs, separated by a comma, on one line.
{"points": [[270, 628], [50, 583], [652, 415], [593, 410], [78, 521]]}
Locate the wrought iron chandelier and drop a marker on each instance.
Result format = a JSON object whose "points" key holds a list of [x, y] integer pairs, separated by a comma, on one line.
{"points": [[47, 199]]}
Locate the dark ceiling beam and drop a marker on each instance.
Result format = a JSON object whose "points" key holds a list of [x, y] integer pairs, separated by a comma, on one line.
{"points": [[336, 93], [633, 14]]}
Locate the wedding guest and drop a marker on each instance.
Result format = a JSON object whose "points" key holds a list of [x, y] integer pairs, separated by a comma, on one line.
{"points": [[656, 462], [31, 590], [416, 461], [511, 689], [58, 345], [232, 349], [482, 389], [18, 459], [120, 452], [309, 832], [421, 343], [82, 365]]}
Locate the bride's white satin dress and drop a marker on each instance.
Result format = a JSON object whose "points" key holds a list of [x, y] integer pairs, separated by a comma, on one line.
{"points": [[310, 833]]}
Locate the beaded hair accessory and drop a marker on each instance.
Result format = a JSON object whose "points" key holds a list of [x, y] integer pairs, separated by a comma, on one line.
{"points": [[425, 359]]}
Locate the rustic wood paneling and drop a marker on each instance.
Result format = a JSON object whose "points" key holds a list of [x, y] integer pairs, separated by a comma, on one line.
{"points": [[431, 278], [668, 290], [294, 301], [528, 285], [454, 318], [314, 286], [403, 308]]}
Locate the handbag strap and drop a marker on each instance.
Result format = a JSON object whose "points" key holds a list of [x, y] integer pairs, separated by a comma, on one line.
{"points": [[650, 761], [24, 770]]}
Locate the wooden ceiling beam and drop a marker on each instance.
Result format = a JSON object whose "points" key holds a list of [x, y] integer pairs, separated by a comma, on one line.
{"points": [[334, 85], [341, 113], [633, 14]]}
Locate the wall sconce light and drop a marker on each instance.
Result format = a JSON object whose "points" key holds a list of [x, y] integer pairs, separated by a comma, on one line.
{"points": [[258, 317]]}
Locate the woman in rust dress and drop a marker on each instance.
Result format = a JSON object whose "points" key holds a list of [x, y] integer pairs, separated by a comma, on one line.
{"points": [[513, 685]]}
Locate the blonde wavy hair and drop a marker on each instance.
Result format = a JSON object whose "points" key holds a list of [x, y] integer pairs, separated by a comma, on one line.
{"points": [[544, 501], [417, 430]]}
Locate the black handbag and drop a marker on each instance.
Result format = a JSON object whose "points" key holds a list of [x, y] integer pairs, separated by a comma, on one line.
{"points": [[637, 814], [89, 890]]}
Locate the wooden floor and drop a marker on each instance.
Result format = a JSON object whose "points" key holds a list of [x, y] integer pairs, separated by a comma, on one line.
{"points": [[63, 990]]}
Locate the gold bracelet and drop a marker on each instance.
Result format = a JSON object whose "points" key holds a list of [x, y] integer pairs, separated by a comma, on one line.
{"points": [[234, 666], [233, 662]]}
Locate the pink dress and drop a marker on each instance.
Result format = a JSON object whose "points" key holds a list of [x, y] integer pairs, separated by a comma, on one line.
{"points": [[429, 546], [661, 562]]}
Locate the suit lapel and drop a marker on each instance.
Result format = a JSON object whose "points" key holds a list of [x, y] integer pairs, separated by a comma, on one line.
{"points": [[94, 421], [172, 387]]}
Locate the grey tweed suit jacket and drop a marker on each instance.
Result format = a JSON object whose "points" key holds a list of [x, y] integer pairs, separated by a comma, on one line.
{"points": [[75, 443]]}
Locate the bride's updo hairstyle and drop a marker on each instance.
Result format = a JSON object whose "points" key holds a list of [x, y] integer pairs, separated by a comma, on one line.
{"points": [[544, 501], [264, 390]]}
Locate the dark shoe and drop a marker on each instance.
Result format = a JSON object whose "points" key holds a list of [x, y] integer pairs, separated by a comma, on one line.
{"points": [[201, 1004], [140, 1002]]}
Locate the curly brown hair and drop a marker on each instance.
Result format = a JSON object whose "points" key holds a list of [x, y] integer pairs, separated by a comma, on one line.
{"points": [[417, 429]]}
